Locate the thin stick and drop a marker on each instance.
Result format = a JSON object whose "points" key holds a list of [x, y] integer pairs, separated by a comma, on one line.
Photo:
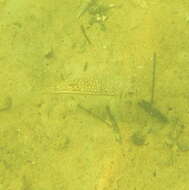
{"points": [[85, 34], [153, 78], [83, 93], [93, 114]]}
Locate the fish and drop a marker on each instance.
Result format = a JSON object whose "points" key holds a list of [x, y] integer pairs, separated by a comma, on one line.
{"points": [[153, 111]]}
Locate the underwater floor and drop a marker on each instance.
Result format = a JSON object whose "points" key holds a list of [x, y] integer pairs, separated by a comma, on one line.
{"points": [[94, 95]]}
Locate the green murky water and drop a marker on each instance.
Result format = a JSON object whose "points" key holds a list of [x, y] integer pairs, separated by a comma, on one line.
{"points": [[94, 95]]}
